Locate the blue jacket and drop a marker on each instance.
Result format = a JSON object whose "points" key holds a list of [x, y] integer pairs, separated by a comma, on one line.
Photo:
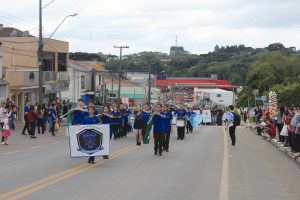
{"points": [[167, 121], [78, 117], [91, 120], [180, 113], [158, 124]]}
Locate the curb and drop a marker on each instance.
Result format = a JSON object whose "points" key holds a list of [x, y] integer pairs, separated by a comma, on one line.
{"points": [[279, 146]]}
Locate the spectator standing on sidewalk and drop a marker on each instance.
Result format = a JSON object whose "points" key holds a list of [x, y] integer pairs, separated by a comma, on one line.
{"points": [[39, 119], [280, 122], [26, 126], [6, 128], [2, 118], [32, 121], [231, 125]]}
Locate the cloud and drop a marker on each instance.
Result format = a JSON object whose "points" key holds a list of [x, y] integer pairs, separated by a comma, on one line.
{"points": [[152, 24]]}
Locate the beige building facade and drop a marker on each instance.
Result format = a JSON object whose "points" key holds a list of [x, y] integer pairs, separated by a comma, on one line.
{"points": [[20, 68]]}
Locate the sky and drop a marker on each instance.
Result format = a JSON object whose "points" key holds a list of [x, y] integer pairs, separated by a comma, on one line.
{"points": [[152, 25]]}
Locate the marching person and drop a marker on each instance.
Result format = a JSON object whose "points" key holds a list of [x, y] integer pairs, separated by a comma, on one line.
{"points": [[190, 114], [124, 115], [116, 122], [180, 114], [138, 125], [79, 113], [54, 118], [145, 117], [231, 125], [167, 123], [106, 118], [158, 130], [91, 119], [26, 126]]}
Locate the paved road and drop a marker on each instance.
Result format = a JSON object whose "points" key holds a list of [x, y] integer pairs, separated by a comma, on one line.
{"points": [[202, 166]]}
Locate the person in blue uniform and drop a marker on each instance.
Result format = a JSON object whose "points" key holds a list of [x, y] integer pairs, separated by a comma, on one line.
{"points": [[79, 113], [106, 118], [116, 122], [91, 119], [158, 130], [145, 117], [180, 114], [167, 124], [190, 114]]}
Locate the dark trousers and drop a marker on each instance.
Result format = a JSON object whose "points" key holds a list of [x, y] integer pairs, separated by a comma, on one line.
{"points": [[297, 143], [158, 142], [180, 133], [167, 139], [292, 140], [40, 125], [92, 158], [32, 129], [232, 135], [52, 128], [116, 130], [26, 126], [279, 127], [189, 127], [124, 130]]}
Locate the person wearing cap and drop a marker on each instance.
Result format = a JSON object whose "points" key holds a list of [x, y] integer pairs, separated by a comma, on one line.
{"points": [[91, 119]]}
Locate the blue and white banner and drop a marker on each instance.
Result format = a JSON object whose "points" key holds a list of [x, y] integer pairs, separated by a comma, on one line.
{"points": [[89, 140]]}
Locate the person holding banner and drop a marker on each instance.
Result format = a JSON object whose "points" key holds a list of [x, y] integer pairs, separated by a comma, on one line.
{"points": [[190, 115], [167, 123], [180, 114], [91, 119]]}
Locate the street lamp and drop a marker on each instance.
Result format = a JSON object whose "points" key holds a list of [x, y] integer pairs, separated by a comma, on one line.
{"points": [[40, 47]]}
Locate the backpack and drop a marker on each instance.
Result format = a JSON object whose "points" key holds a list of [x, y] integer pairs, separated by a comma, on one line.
{"points": [[236, 119]]}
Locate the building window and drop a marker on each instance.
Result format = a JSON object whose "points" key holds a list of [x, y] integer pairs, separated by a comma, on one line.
{"points": [[100, 81], [62, 62], [219, 95], [82, 82]]}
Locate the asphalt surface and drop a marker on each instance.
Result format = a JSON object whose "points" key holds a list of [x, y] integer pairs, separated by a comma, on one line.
{"points": [[203, 166]]}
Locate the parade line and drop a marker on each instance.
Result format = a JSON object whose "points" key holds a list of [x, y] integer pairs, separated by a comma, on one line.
{"points": [[43, 183]]}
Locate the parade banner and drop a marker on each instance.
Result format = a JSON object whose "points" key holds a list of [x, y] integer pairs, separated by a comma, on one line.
{"points": [[197, 119], [89, 140], [206, 114]]}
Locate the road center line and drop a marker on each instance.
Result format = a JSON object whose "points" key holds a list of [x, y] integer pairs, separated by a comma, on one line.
{"points": [[225, 171]]}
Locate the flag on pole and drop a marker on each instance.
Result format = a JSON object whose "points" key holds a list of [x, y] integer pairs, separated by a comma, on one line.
{"points": [[148, 130]]}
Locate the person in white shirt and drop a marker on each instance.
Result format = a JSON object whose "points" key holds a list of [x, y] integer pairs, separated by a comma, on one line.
{"points": [[231, 125]]}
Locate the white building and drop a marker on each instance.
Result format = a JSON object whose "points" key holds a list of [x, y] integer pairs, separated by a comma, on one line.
{"points": [[86, 82], [215, 96]]}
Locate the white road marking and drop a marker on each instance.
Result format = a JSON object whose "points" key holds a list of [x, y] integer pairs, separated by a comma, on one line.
{"points": [[11, 152], [56, 142], [36, 147], [224, 176]]}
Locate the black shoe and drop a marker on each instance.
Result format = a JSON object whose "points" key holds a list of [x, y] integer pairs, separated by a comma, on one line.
{"points": [[39, 133], [167, 150], [178, 138], [53, 134], [140, 143], [160, 154], [24, 134], [92, 162], [105, 157], [33, 136], [89, 160], [155, 153], [137, 143]]}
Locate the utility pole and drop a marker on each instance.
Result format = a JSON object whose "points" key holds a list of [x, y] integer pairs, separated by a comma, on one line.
{"points": [[40, 54], [119, 72], [149, 88]]}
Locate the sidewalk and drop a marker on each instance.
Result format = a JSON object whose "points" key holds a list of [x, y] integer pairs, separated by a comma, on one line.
{"points": [[19, 142], [278, 145]]}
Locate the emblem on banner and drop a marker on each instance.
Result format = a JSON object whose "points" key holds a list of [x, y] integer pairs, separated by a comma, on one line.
{"points": [[90, 141]]}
